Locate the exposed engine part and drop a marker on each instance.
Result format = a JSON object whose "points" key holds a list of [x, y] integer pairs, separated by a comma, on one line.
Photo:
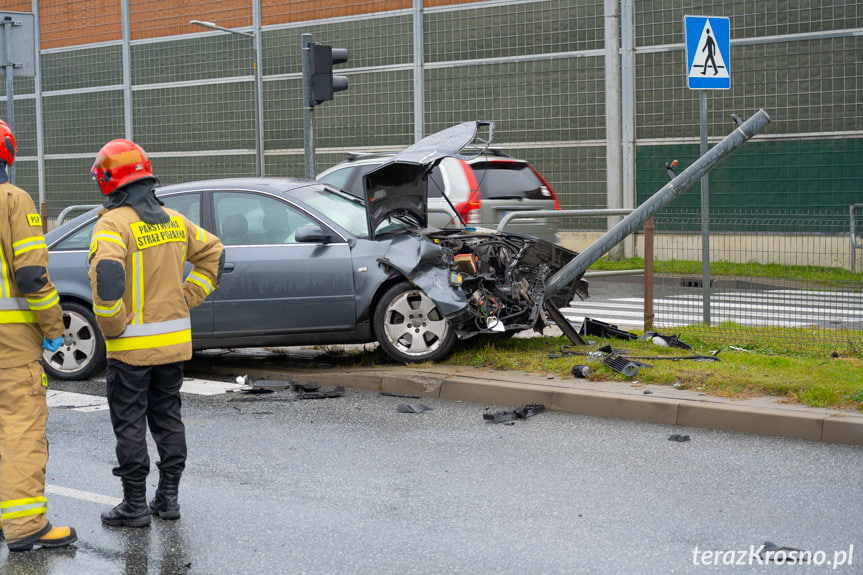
{"points": [[503, 277], [465, 263]]}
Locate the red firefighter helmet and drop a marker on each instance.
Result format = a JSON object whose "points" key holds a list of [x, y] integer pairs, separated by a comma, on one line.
{"points": [[120, 162], [8, 149]]}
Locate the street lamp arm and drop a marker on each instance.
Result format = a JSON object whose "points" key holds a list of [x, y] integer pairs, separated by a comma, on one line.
{"points": [[212, 26]]}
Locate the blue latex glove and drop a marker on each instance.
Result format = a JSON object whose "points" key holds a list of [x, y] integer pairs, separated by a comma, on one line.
{"points": [[52, 344]]}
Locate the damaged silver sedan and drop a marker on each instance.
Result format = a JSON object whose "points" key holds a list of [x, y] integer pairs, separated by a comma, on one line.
{"points": [[307, 264]]}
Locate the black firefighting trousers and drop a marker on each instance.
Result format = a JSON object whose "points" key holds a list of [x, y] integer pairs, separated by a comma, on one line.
{"points": [[142, 396]]}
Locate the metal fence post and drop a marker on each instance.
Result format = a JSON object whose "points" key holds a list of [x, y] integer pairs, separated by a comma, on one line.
{"points": [[854, 244], [10, 88], [419, 76], [613, 163], [40, 136], [649, 229], [627, 25], [128, 132]]}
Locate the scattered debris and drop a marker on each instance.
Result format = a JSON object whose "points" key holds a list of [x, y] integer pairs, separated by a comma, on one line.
{"points": [[306, 386], [301, 395], [581, 371], [621, 364], [412, 408], [601, 329], [566, 352], [664, 340], [335, 392], [523, 412], [677, 437], [388, 394], [263, 385], [647, 392], [608, 349], [694, 357]]}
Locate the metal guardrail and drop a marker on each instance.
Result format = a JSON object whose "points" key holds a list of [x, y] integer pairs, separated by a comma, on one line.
{"points": [[528, 214], [66, 211], [854, 244]]}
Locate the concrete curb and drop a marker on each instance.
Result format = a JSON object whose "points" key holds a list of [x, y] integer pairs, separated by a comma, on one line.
{"points": [[649, 403]]}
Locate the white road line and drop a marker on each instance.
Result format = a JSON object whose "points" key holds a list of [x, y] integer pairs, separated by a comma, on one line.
{"points": [[89, 403], [82, 495], [76, 401], [207, 387]]}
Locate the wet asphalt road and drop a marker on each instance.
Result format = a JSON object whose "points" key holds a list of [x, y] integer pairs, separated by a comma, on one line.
{"points": [[350, 485]]}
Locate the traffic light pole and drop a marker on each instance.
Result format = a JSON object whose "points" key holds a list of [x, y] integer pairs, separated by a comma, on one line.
{"points": [[10, 87], [308, 110], [319, 85]]}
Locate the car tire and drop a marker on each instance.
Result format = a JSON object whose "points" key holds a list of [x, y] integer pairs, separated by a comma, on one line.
{"points": [[82, 354], [409, 327]]}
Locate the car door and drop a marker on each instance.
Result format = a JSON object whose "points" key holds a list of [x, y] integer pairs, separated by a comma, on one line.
{"points": [[272, 284]]}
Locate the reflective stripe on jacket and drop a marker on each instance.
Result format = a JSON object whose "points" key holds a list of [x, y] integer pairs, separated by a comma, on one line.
{"points": [[148, 335], [29, 312], [136, 269]]}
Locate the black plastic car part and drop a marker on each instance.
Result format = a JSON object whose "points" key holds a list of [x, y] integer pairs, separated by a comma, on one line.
{"points": [[621, 365], [602, 329]]}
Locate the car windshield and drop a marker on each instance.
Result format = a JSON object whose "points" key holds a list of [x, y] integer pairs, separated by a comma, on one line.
{"points": [[344, 209]]}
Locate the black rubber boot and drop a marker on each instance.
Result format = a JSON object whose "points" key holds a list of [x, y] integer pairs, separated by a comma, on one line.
{"points": [[164, 503], [133, 510]]}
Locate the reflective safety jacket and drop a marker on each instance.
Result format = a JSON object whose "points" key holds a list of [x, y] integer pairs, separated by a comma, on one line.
{"points": [[136, 269], [29, 305]]}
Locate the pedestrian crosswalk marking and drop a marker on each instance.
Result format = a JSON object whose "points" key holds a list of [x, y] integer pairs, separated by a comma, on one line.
{"points": [[781, 308]]}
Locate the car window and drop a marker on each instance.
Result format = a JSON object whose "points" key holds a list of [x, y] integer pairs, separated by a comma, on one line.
{"points": [[187, 204], [80, 240], [245, 219], [508, 181], [436, 185]]}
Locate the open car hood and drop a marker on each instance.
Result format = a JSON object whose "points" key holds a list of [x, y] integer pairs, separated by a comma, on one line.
{"points": [[399, 188]]}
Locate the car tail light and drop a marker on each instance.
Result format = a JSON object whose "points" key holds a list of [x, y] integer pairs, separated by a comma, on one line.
{"points": [[469, 209], [547, 187]]}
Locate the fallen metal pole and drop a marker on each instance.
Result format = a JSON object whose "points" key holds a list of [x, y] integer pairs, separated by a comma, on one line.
{"points": [[668, 193]]}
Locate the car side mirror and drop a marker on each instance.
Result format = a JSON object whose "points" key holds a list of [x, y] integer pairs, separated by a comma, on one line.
{"points": [[311, 234]]}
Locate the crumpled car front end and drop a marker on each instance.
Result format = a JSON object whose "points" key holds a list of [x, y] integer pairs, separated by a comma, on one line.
{"points": [[485, 282], [502, 277]]}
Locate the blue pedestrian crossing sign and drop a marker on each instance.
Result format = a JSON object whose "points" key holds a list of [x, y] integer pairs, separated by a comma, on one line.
{"points": [[708, 52]]}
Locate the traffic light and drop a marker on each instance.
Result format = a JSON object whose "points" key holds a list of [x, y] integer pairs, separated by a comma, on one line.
{"points": [[324, 84]]}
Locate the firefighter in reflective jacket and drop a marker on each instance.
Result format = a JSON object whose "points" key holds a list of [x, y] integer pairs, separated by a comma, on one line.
{"points": [[137, 255], [30, 319]]}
